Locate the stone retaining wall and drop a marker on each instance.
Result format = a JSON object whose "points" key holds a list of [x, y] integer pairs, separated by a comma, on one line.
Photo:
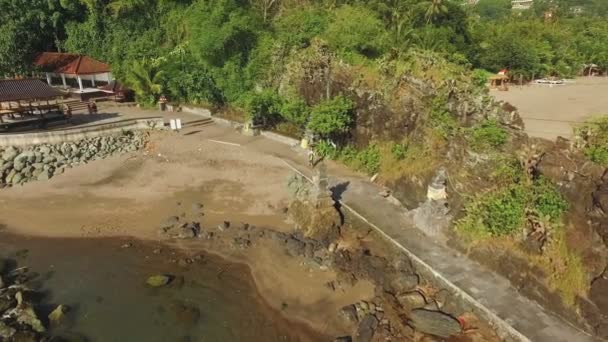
{"points": [[197, 111], [79, 133], [41, 162], [281, 138]]}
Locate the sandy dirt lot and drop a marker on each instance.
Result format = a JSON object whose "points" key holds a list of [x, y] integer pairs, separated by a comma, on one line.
{"points": [[552, 111], [132, 194]]}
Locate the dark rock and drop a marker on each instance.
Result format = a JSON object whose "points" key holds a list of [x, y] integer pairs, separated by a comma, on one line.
{"points": [[295, 247], [6, 332], [242, 242], [226, 224], [434, 323], [412, 300], [366, 329], [25, 336], [189, 230], [404, 282], [343, 339], [349, 313], [6, 303]]}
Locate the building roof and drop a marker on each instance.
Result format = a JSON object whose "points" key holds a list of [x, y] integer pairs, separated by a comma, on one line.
{"points": [[27, 89], [69, 63]]}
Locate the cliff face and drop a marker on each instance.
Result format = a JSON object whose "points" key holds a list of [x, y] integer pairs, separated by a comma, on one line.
{"points": [[434, 108]]}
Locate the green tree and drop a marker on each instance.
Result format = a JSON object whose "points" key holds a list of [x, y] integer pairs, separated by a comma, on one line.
{"points": [[493, 9], [356, 29], [145, 77], [332, 118], [434, 9]]}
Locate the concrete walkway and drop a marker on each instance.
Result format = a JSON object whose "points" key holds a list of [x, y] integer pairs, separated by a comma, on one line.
{"points": [[491, 295]]}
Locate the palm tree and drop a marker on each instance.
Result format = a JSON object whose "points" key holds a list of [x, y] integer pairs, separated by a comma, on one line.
{"points": [[436, 7], [145, 80]]}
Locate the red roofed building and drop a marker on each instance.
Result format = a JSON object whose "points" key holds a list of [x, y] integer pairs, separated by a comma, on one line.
{"points": [[85, 70]]}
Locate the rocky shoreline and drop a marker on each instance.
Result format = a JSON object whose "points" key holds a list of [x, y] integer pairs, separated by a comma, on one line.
{"points": [[41, 162], [19, 304], [405, 307]]}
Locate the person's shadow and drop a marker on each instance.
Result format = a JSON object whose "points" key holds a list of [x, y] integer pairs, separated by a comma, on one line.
{"points": [[337, 190]]}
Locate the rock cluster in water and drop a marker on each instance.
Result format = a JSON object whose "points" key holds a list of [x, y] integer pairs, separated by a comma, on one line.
{"points": [[41, 162], [403, 304], [19, 312]]}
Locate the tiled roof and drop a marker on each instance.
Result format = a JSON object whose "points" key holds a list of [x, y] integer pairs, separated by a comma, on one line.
{"points": [[28, 89], [69, 63]]}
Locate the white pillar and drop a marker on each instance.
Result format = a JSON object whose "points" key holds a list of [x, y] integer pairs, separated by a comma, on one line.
{"points": [[48, 78], [93, 80], [65, 85], [80, 83]]}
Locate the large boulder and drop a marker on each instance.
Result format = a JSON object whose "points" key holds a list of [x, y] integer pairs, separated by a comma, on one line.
{"points": [[158, 280], [434, 323], [10, 153], [366, 329]]}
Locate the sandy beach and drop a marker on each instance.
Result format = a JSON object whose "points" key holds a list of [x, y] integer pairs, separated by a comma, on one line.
{"points": [[552, 111], [132, 194]]}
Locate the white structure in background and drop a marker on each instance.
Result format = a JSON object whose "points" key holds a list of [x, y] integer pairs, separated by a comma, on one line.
{"points": [[176, 124], [521, 4], [80, 74]]}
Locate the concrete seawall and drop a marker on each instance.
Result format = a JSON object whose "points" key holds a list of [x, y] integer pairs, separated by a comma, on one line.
{"points": [[79, 133]]}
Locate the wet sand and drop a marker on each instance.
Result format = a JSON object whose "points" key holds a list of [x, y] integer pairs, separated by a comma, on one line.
{"points": [[103, 282], [552, 111]]}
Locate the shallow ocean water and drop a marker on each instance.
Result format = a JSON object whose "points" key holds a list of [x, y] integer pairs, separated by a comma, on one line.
{"points": [[104, 285]]}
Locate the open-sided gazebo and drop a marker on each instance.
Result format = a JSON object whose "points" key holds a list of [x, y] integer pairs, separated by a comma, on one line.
{"points": [[81, 74], [29, 102]]}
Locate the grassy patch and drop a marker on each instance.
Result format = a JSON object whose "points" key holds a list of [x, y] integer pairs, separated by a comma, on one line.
{"points": [[391, 160], [487, 136], [594, 136], [502, 211], [500, 215], [564, 268]]}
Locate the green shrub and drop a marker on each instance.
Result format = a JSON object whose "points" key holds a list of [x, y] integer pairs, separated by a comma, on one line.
{"points": [[326, 150], [332, 117], [547, 200], [348, 155], [595, 139], [441, 120], [487, 136], [399, 151], [369, 159], [263, 107], [480, 77], [356, 29], [502, 212], [296, 112]]}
